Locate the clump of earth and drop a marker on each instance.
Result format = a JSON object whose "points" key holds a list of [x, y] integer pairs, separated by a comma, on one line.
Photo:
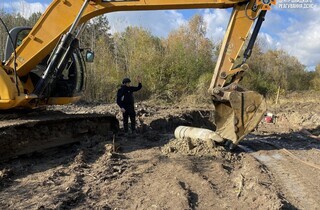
{"points": [[196, 147]]}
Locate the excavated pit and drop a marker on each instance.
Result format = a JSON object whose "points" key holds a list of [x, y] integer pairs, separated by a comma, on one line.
{"points": [[195, 118]]}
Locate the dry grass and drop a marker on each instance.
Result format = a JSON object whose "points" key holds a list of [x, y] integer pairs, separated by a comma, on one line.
{"points": [[201, 100], [297, 97], [195, 100]]}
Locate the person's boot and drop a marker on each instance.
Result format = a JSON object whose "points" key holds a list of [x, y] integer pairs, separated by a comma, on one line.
{"points": [[134, 133]]}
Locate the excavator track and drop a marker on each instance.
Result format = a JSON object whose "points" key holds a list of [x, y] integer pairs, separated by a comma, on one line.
{"points": [[27, 133]]}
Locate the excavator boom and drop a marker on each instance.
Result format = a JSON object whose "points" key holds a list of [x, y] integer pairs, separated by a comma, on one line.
{"points": [[44, 37]]}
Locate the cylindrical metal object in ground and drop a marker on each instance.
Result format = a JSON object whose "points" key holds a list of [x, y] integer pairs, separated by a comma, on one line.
{"points": [[197, 133]]}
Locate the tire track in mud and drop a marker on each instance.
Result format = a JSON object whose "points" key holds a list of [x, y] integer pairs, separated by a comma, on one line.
{"points": [[164, 183], [298, 179], [58, 188], [63, 180], [192, 182], [192, 196], [145, 178]]}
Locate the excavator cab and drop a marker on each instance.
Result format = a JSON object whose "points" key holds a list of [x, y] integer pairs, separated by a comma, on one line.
{"points": [[17, 34], [70, 83]]}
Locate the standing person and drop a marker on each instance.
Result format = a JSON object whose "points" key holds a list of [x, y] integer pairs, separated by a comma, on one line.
{"points": [[125, 100]]}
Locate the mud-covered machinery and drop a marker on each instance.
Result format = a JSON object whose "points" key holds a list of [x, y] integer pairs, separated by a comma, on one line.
{"points": [[44, 65]]}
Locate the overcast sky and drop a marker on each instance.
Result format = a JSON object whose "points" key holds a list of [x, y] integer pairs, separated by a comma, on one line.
{"points": [[297, 31]]}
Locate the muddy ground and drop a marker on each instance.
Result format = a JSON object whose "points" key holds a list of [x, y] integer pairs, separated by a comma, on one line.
{"points": [[275, 167]]}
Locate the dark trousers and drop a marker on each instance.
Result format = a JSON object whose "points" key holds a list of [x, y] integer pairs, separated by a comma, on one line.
{"points": [[132, 114]]}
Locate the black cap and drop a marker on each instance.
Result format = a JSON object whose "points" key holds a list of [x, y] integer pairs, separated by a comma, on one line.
{"points": [[126, 80]]}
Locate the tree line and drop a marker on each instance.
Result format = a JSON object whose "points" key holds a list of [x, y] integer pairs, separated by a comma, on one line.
{"points": [[173, 67]]}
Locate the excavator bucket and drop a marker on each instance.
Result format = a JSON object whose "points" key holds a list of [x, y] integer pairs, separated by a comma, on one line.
{"points": [[240, 115]]}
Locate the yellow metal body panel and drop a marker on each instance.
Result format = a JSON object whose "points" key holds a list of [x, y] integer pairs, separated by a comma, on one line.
{"points": [[9, 96], [8, 90]]}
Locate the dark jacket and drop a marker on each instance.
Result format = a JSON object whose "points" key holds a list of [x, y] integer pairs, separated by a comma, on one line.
{"points": [[125, 96]]}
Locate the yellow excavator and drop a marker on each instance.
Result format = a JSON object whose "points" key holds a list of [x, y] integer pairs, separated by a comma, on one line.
{"points": [[43, 65]]}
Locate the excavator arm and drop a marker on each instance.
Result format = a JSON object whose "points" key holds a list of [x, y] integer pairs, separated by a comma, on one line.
{"points": [[237, 111], [55, 34]]}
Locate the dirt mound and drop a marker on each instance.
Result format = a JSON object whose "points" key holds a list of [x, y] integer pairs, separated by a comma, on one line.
{"points": [[195, 147]]}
